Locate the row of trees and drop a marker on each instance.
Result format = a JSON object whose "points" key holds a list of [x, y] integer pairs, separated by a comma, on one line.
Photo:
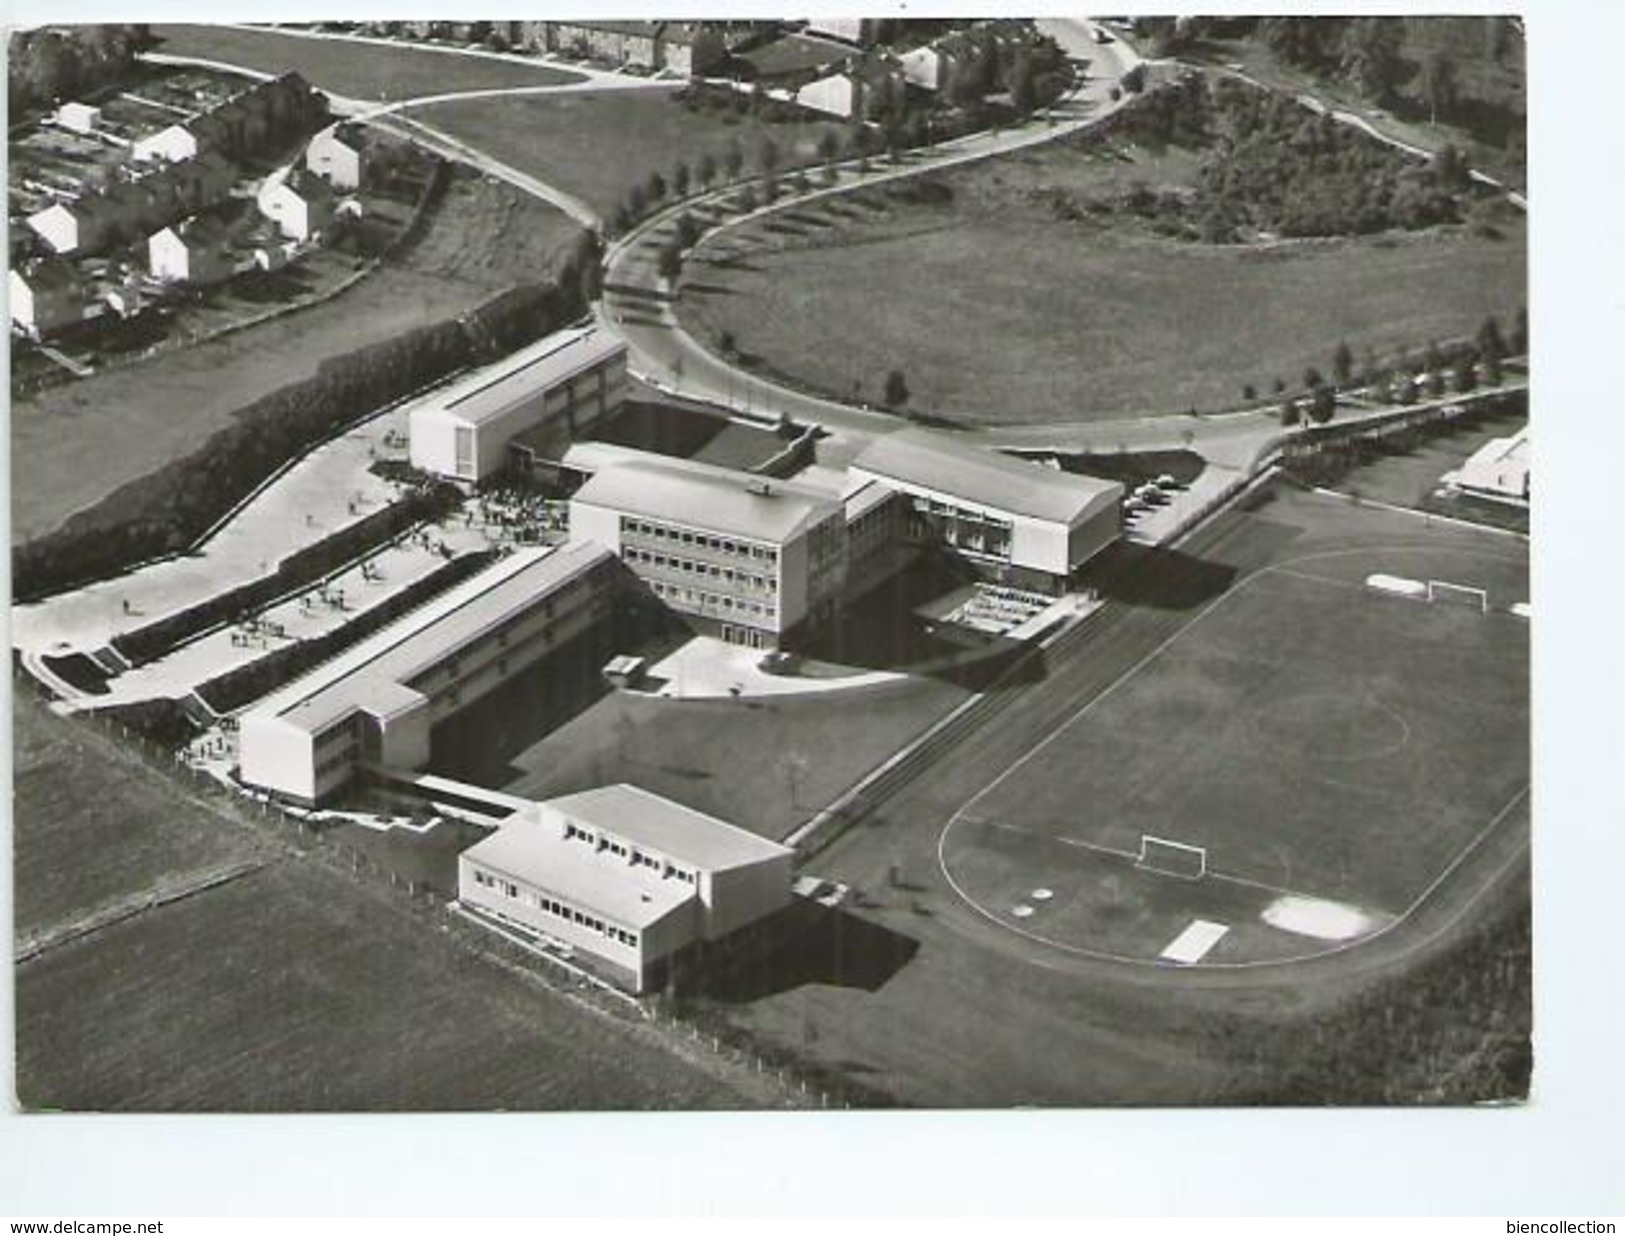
{"points": [[1433, 372], [48, 65]]}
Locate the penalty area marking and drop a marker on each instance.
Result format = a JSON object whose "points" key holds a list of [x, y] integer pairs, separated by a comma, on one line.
{"points": [[1195, 942]]}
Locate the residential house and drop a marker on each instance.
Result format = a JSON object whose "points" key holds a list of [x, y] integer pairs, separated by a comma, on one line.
{"points": [[195, 251], [45, 296], [78, 117], [301, 204], [338, 154]]}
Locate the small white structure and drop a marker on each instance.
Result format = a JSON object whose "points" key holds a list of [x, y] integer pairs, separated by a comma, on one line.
{"points": [[1033, 524], [300, 205], [172, 144], [625, 876], [338, 155], [1498, 470], [836, 95], [78, 117], [44, 297], [193, 252], [923, 67], [572, 379]]}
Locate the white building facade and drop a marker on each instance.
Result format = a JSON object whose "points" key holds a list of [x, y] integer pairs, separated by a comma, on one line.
{"points": [[1029, 525], [624, 876], [749, 559], [377, 703], [571, 379]]}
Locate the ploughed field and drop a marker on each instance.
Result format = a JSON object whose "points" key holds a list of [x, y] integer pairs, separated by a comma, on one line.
{"points": [[285, 985], [999, 309]]}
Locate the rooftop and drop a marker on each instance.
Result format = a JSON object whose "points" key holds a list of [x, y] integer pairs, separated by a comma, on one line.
{"points": [[940, 462], [658, 824], [373, 674], [528, 372], [529, 850], [703, 496]]}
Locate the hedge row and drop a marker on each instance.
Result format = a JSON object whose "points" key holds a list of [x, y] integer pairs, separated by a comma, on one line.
{"points": [[168, 510], [295, 572], [242, 686]]}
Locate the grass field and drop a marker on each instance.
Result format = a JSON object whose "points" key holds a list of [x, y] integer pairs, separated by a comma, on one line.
{"points": [[766, 764], [91, 827], [74, 444], [979, 1016], [1315, 738], [1074, 320], [562, 140], [292, 987], [355, 69]]}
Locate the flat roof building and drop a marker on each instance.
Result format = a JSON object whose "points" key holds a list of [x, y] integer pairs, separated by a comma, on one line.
{"points": [[752, 559], [1499, 470], [570, 380], [1032, 525], [624, 876], [377, 702]]}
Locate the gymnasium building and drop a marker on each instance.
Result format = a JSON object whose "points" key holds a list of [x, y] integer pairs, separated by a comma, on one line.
{"points": [[1027, 525], [625, 878]]}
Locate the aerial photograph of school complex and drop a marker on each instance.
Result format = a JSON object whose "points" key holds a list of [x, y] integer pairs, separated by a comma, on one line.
{"points": [[770, 564]]}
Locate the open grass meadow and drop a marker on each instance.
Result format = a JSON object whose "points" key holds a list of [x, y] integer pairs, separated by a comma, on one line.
{"points": [[765, 764], [977, 1015], [291, 986], [1075, 319], [352, 68], [599, 144], [93, 826], [75, 443]]}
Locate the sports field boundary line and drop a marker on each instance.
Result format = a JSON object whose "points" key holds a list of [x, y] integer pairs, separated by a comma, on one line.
{"points": [[1417, 513], [1236, 590]]}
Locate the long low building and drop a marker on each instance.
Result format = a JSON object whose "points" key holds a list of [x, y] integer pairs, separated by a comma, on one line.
{"points": [[378, 702], [1030, 525], [747, 558], [1498, 470], [570, 380], [625, 876]]}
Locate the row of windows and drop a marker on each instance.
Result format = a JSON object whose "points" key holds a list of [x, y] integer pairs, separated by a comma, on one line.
{"points": [[336, 761], [620, 849], [719, 544], [761, 583], [547, 905], [697, 598]]}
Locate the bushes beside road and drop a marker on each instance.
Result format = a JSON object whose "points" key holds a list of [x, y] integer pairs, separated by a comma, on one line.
{"points": [[167, 511]]}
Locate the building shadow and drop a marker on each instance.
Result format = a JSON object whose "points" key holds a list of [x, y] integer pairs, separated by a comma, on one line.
{"points": [[811, 944], [1153, 577]]}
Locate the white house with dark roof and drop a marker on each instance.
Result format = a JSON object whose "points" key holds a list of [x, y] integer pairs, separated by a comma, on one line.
{"points": [[624, 877], [1030, 524], [338, 154], [300, 204], [45, 296], [194, 251]]}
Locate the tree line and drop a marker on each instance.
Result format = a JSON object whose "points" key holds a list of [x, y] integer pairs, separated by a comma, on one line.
{"points": [[49, 65]]}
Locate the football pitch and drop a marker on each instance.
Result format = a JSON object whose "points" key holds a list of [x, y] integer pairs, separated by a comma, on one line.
{"points": [[1321, 754]]}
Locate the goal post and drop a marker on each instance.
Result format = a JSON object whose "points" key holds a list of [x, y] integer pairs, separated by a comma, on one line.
{"points": [[1171, 858], [1445, 593]]}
